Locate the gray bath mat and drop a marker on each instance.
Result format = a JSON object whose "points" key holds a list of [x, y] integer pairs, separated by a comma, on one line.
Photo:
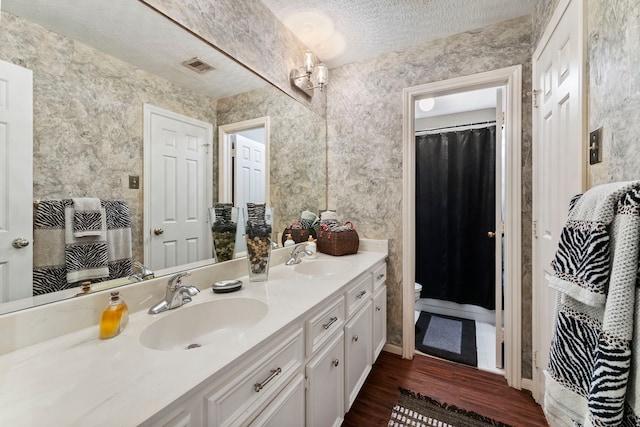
{"points": [[447, 337]]}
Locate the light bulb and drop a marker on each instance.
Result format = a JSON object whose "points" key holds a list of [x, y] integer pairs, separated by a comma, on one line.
{"points": [[322, 74], [308, 62], [426, 104]]}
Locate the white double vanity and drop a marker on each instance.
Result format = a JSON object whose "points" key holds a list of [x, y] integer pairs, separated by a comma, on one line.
{"points": [[292, 351]]}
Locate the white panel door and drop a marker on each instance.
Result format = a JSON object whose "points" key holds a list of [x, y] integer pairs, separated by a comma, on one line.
{"points": [[249, 172], [16, 182], [559, 161], [178, 168]]}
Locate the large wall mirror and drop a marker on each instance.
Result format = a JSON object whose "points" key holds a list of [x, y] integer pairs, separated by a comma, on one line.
{"points": [[96, 65]]}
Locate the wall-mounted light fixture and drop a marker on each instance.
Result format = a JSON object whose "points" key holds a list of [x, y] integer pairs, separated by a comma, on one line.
{"points": [[301, 77]]}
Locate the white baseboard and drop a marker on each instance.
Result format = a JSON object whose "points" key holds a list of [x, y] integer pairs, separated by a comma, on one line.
{"points": [[526, 384], [392, 348], [463, 311]]}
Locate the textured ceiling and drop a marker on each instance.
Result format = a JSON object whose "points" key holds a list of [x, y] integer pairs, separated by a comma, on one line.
{"points": [[344, 31], [102, 25]]}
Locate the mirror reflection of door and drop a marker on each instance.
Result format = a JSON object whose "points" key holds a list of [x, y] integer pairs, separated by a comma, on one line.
{"points": [[178, 171], [244, 165], [16, 182], [249, 167]]}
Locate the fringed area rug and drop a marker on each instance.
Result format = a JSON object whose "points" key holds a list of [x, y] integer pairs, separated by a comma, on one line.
{"points": [[415, 410]]}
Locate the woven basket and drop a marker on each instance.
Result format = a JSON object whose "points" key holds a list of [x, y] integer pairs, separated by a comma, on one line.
{"points": [[338, 243]]}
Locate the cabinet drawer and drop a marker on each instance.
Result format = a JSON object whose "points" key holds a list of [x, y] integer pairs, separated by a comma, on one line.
{"points": [[287, 409], [358, 293], [237, 401], [321, 326], [379, 276]]}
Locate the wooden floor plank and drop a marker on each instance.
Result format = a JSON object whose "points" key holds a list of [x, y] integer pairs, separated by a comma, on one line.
{"points": [[469, 388]]}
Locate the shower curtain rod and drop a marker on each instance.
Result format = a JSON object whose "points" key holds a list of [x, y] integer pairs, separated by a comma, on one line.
{"points": [[456, 127]]}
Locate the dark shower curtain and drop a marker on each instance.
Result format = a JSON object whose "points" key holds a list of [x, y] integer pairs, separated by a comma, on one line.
{"points": [[455, 209]]}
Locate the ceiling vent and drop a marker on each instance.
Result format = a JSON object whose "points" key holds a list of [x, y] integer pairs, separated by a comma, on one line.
{"points": [[198, 65]]}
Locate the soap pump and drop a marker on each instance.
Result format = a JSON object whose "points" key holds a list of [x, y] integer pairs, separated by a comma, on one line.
{"points": [[289, 241], [311, 247], [115, 317]]}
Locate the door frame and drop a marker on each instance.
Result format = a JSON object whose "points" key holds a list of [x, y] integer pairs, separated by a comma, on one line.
{"points": [[148, 111], [225, 158], [511, 79]]}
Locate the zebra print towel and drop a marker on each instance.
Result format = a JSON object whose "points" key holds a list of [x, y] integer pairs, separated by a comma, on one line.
{"points": [[87, 257], [52, 258], [87, 217], [591, 380]]}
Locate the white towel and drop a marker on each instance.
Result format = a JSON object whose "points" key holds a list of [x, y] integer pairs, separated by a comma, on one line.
{"points": [[87, 217]]}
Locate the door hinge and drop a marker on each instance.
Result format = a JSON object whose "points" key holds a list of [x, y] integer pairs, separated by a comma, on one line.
{"points": [[534, 358], [534, 97], [500, 335], [534, 229], [307, 383], [233, 152]]}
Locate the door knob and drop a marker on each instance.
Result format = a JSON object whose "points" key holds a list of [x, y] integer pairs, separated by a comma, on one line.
{"points": [[20, 243], [491, 234], [158, 231]]}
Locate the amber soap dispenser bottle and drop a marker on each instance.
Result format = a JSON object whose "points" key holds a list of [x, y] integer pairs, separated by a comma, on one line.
{"points": [[114, 317]]}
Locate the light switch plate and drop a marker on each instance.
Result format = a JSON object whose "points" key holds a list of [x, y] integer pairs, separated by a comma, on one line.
{"points": [[595, 146], [134, 182]]}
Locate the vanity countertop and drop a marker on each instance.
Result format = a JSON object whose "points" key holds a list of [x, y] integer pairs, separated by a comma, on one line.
{"points": [[79, 380]]}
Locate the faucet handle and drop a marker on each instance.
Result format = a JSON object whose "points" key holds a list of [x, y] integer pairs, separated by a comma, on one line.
{"points": [[176, 279]]}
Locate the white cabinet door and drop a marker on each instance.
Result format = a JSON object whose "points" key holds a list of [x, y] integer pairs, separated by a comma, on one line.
{"points": [[379, 321], [325, 393], [287, 409], [358, 352]]}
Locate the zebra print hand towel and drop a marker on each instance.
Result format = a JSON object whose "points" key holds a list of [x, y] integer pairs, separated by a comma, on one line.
{"points": [[582, 262], [590, 380], [86, 257], [87, 217]]}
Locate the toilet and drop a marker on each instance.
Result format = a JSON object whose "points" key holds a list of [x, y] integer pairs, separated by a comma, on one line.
{"points": [[417, 289]]}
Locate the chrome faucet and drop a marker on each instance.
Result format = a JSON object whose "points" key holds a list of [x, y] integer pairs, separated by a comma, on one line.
{"points": [[145, 272], [177, 294], [297, 253]]}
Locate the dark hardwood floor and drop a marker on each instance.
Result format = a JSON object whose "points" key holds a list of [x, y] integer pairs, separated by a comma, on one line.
{"points": [[469, 388]]}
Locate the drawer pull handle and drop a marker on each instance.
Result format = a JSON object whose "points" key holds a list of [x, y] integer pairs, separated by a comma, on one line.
{"points": [[259, 386], [335, 362], [355, 338], [330, 322], [378, 308], [380, 276], [361, 294]]}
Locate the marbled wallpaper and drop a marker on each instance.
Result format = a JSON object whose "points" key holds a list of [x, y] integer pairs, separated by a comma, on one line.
{"points": [[364, 121], [249, 32], [613, 68], [614, 87], [87, 116], [297, 150]]}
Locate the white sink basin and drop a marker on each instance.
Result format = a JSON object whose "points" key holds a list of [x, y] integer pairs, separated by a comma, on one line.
{"points": [[321, 268], [193, 326]]}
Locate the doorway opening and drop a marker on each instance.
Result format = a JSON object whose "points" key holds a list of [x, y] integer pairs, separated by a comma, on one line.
{"points": [[511, 79], [459, 152], [244, 165]]}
